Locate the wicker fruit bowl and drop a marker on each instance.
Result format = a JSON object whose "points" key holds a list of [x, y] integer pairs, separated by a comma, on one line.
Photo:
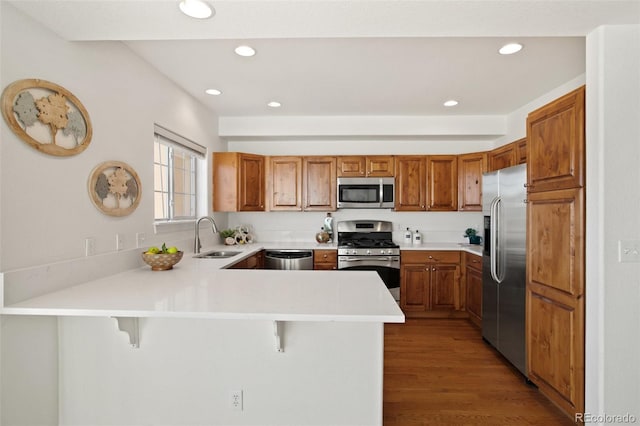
{"points": [[162, 261]]}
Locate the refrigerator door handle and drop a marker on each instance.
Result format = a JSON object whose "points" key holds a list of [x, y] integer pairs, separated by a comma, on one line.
{"points": [[495, 237]]}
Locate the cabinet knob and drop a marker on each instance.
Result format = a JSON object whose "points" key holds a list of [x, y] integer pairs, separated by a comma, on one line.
{"points": [[433, 269], [430, 257]]}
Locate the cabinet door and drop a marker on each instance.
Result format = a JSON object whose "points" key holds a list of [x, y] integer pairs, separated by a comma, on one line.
{"points": [[319, 183], [555, 138], [251, 182], [470, 169], [555, 240], [555, 346], [285, 183], [442, 190], [380, 166], [501, 158], [445, 287], [474, 294], [351, 166], [411, 189], [415, 294]]}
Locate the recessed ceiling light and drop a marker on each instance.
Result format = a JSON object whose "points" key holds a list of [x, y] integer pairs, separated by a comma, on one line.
{"points": [[510, 49], [274, 104], [245, 51], [214, 92], [450, 103], [198, 9]]}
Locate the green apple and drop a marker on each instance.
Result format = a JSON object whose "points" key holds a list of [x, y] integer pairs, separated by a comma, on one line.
{"points": [[153, 250], [172, 250]]}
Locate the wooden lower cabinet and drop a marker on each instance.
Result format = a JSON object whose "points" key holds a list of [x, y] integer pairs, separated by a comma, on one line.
{"points": [[253, 262], [430, 284], [473, 286], [325, 260], [555, 346]]}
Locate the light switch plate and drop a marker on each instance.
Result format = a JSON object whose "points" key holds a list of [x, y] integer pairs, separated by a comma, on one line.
{"points": [[629, 251]]}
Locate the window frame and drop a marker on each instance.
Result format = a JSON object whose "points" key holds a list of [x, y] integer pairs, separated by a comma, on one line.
{"points": [[192, 152]]}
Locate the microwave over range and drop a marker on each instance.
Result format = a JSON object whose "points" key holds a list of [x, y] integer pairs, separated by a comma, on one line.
{"points": [[366, 193]]}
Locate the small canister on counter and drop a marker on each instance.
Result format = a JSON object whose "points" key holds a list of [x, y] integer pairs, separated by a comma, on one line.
{"points": [[408, 237], [417, 238]]}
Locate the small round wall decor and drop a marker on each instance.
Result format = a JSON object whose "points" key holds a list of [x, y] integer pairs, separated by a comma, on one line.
{"points": [[47, 117], [114, 188]]}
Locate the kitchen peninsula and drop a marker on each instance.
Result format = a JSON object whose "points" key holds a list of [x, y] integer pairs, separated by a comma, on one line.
{"points": [[298, 344]]}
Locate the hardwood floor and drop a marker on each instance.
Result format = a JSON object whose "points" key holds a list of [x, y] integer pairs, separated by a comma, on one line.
{"points": [[441, 372]]}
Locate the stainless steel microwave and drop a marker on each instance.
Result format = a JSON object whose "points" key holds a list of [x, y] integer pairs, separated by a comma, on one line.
{"points": [[366, 193]]}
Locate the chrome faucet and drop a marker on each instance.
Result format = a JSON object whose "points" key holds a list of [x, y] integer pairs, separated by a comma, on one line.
{"points": [[214, 228]]}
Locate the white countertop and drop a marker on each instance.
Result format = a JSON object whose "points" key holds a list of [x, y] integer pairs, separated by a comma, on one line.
{"points": [[470, 248], [201, 288]]}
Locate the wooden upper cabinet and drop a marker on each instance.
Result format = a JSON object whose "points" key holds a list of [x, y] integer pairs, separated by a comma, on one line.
{"points": [[470, 169], [556, 144], [319, 183], [442, 180], [380, 166], [411, 183], [351, 166], [502, 157], [238, 182], [360, 166], [285, 184]]}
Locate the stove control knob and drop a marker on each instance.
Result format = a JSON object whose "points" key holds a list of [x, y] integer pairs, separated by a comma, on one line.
{"points": [[368, 251], [389, 251], [382, 251], [354, 252]]}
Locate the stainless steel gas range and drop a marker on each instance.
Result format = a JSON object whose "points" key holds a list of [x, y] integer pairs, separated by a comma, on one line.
{"points": [[367, 245]]}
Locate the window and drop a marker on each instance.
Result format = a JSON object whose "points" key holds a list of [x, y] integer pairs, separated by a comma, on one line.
{"points": [[175, 169]]}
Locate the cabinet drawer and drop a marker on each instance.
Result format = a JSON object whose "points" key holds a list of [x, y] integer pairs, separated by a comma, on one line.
{"points": [[325, 256], [473, 261], [424, 256], [325, 259]]}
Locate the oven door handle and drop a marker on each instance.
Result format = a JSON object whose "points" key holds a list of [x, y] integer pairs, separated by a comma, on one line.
{"points": [[367, 258]]}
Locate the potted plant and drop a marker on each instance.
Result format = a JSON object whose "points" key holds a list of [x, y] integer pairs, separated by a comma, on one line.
{"points": [[471, 234], [228, 236]]}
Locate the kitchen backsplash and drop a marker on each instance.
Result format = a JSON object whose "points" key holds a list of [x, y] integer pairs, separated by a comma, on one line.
{"points": [[302, 227]]}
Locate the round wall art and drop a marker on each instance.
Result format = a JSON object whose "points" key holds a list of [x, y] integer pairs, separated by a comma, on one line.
{"points": [[114, 188], [46, 116]]}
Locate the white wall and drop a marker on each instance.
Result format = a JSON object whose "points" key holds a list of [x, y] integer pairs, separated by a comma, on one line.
{"points": [[516, 121], [45, 210], [330, 373], [613, 212]]}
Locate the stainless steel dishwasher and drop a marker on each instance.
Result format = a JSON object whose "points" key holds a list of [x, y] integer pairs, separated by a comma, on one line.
{"points": [[288, 259]]}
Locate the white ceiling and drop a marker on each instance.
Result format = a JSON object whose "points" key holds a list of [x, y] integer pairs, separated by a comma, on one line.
{"points": [[334, 57]]}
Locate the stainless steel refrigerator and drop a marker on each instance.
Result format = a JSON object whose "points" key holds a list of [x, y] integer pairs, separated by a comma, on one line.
{"points": [[503, 263]]}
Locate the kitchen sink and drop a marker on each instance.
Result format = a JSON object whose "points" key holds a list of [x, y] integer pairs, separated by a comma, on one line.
{"points": [[217, 254]]}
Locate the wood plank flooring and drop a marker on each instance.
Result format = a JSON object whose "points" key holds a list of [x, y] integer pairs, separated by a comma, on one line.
{"points": [[441, 372]]}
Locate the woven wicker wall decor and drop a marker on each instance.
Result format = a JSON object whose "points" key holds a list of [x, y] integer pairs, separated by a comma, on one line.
{"points": [[114, 188], [47, 117]]}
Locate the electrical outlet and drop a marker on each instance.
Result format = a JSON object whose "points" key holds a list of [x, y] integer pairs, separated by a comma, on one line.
{"points": [[236, 400], [89, 246], [140, 237], [119, 242], [629, 251]]}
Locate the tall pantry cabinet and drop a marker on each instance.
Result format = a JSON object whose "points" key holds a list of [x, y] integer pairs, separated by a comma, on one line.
{"points": [[555, 250]]}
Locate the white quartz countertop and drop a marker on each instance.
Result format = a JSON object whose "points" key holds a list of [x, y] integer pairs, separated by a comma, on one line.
{"points": [[202, 288]]}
